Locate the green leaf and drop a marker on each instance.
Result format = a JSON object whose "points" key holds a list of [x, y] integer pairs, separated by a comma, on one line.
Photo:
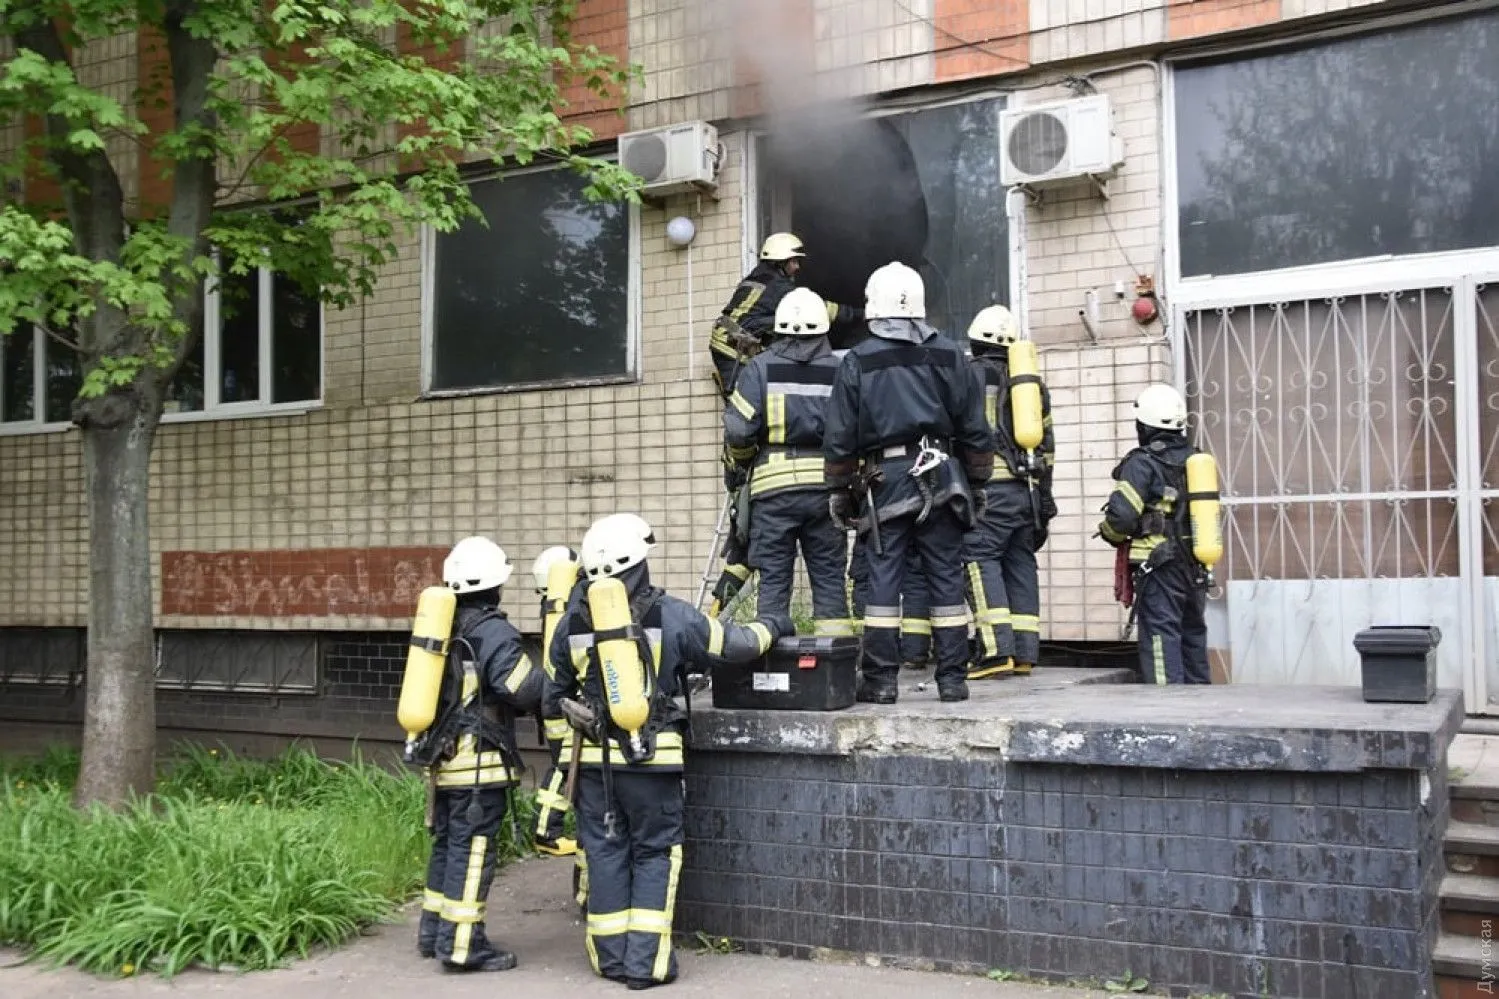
{"points": [[1000, 974]]}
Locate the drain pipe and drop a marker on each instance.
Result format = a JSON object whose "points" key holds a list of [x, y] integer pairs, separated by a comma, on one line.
{"points": [[1015, 199]]}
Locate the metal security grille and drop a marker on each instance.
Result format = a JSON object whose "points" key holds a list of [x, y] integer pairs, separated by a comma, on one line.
{"points": [[242, 661], [1333, 423]]}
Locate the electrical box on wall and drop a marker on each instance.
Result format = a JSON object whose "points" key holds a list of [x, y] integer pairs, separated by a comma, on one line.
{"points": [[676, 159], [1058, 142]]}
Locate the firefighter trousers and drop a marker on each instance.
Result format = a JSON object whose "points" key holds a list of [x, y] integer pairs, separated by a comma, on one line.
{"points": [[1003, 589], [458, 874], [937, 545], [915, 603], [632, 879], [1173, 632], [551, 806], [779, 524]]}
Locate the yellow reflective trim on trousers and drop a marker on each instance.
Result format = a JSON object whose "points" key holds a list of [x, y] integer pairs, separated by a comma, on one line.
{"points": [[1026, 622], [608, 924], [1158, 652], [582, 864], [950, 621], [739, 572], [916, 626], [1130, 494], [465, 933], [982, 611], [663, 949], [715, 637], [762, 636], [649, 921], [462, 912], [833, 627], [742, 404], [888, 623], [519, 674], [432, 900], [775, 418], [556, 729], [549, 799]]}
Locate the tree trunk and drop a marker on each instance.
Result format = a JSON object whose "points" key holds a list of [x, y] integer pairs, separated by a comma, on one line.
{"points": [[119, 729]]}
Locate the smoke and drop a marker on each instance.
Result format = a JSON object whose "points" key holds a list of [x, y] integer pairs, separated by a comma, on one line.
{"points": [[854, 188]]}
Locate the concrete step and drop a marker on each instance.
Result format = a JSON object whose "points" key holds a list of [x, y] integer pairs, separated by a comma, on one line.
{"points": [[1471, 893], [1462, 967], [1472, 848], [1477, 809]]}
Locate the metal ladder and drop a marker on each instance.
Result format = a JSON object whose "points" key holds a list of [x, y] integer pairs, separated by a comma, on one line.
{"points": [[713, 566]]}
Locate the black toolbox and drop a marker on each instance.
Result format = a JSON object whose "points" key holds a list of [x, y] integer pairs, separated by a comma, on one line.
{"points": [[797, 674], [1399, 662]]}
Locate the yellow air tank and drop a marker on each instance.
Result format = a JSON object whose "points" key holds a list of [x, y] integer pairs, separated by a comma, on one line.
{"points": [[561, 578], [1025, 394], [1203, 509], [626, 685], [425, 659]]}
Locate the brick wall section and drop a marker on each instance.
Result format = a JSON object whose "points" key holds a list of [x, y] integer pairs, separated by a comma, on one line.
{"points": [[604, 24], [1293, 885], [154, 78], [320, 582], [1192, 18], [1000, 27]]}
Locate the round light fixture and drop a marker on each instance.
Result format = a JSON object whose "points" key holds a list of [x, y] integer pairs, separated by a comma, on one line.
{"points": [[680, 231]]}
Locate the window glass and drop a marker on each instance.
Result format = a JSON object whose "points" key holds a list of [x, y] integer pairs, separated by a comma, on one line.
{"points": [[64, 379], [540, 294], [296, 342], [1380, 144], [239, 337], [185, 394], [18, 357]]}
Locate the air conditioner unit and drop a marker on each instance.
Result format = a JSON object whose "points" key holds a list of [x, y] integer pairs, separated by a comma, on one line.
{"points": [[1060, 141], [674, 159]]}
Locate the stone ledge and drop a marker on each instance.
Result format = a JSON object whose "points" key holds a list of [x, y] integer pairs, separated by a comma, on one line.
{"points": [[1070, 721]]}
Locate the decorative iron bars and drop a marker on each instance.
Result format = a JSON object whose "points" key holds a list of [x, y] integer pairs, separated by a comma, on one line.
{"points": [[240, 661]]}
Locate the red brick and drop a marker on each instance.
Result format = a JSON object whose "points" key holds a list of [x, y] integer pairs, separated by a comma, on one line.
{"points": [[974, 38], [154, 71], [1194, 18], [604, 24]]}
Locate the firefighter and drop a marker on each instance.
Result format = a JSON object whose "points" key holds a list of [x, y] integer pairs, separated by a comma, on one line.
{"points": [[551, 806], [915, 604], [630, 797], [906, 429], [475, 764], [1003, 589], [773, 427], [741, 329], [1148, 511]]}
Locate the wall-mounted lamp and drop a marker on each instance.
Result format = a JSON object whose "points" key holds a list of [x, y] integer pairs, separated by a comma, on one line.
{"points": [[681, 231]]}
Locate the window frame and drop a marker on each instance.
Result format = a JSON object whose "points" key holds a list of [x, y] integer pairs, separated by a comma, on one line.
{"points": [[751, 237], [634, 367], [212, 408], [1352, 271]]}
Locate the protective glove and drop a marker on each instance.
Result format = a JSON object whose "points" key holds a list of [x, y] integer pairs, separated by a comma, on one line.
{"points": [[734, 477], [779, 625], [1039, 536], [841, 508], [1048, 506]]}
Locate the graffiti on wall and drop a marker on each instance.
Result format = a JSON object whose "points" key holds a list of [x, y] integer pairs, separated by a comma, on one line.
{"points": [[321, 582]]}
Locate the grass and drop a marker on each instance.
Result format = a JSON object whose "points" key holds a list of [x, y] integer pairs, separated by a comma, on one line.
{"points": [[233, 863]]}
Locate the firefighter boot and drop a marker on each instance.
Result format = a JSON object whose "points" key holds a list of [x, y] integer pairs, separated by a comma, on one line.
{"points": [[878, 687], [951, 685]]}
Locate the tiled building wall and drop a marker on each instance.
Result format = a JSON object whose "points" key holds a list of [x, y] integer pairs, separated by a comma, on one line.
{"points": [[376, 467]]}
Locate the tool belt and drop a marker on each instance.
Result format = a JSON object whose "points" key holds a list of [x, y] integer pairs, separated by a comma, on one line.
{"points": [[440, 743], [737, 336], [891, 452]]}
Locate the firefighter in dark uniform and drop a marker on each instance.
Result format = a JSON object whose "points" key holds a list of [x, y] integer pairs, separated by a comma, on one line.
{"points": [[551, 806], [1148, 512], [915, 604], [773, 426], [629, 807], [906, 422], [741, 329], [1003, 588], [476, 765]]}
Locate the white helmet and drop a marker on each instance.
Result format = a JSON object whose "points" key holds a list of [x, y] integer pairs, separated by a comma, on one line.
{"points": [[995, 326], [541, 569], [1162, 407], [895, 292], [615, 543], [779, 246], [802, 313], [474, 565]]}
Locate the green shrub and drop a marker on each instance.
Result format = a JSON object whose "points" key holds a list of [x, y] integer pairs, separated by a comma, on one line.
{"points": [[233, 862]]}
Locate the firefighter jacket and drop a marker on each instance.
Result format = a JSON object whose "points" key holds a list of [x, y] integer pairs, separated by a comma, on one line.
{"points": [[498, 682], [678, 636], [775, 418], [994, 375], [752, 310], [1148, 506], [904, 383]]}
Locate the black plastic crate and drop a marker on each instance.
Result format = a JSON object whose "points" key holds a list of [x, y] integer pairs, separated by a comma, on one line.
{"points": [[1399, 662], [798, 674]]}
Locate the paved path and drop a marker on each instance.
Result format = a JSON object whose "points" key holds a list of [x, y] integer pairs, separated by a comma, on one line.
{"points": [[549, 941]]}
